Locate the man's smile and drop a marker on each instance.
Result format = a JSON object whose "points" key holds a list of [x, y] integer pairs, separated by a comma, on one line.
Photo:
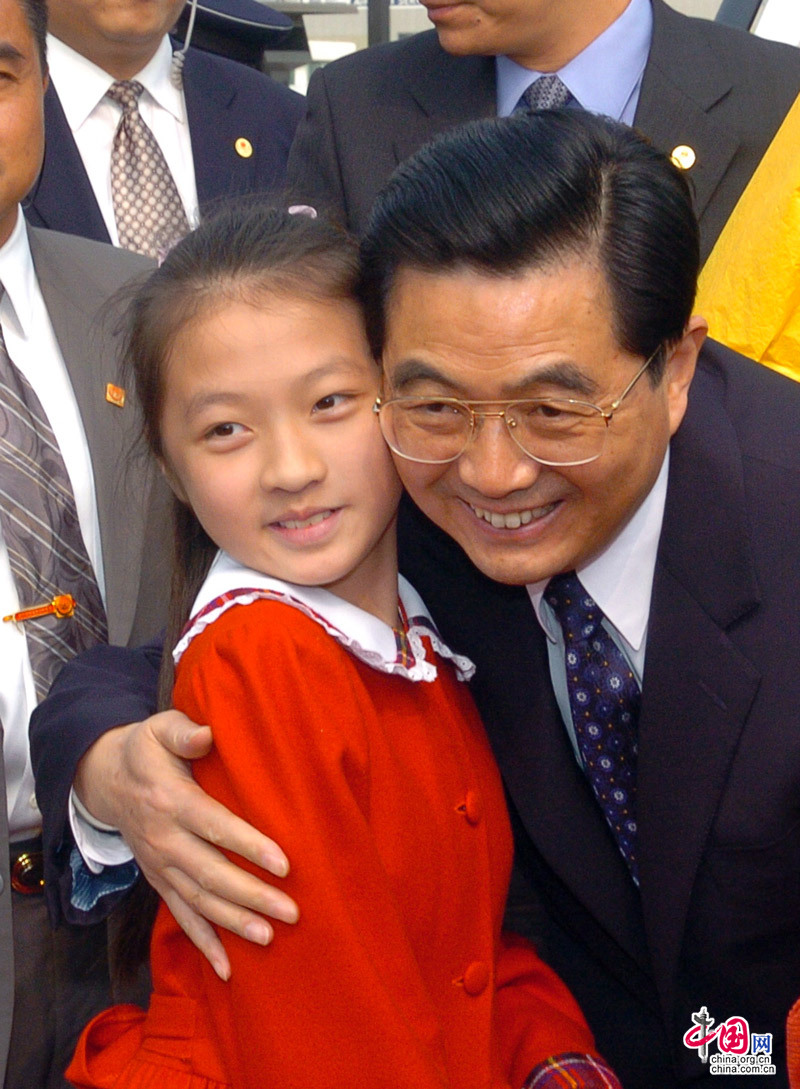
{"points": [[512, 519]]}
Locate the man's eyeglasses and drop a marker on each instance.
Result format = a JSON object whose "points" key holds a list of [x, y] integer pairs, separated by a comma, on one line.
{"points": [[552, 431]]}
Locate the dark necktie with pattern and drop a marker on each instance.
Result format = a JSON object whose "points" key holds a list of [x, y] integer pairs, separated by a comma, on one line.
{"points": [[147, 206], [545, 93], [42, 534], [604, 698]]}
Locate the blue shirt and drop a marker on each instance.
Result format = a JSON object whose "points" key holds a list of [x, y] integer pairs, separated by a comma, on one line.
{"points": [[604, 78]]}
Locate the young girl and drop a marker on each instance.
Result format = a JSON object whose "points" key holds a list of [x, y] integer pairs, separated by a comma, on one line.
{"points": [[341, 722]]}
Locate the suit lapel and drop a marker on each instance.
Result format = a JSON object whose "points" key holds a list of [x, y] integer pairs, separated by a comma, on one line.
{"points": [[119, 485], [449, 91], [551, 794], [210, 97], [683, 80], [697, 688], [63, 173]]}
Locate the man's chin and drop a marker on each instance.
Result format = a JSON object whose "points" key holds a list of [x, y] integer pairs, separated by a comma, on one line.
{"points": [[458, 42], [503, 565]]}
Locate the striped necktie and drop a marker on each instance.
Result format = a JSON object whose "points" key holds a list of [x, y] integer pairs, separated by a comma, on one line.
{"points": [[42, 534]]}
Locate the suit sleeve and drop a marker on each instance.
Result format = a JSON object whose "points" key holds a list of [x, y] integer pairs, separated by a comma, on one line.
{"points": [[103, 688], [314, 172]]}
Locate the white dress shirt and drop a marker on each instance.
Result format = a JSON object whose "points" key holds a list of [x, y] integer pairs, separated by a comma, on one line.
{"points": [[604, 78], [93, 120], [32, 346], [620, 580]]}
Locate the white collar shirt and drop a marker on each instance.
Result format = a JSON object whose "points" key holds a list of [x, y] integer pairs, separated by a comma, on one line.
{"points": [[32, 345], [605, 77], [93, 120], [620, 580]]}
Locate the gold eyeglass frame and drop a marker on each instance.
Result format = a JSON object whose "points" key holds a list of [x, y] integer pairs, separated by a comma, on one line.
{"points": [[501, 408]]}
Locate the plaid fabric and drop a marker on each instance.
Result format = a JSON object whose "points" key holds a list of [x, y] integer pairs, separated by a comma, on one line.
{"points": [[793, 1045], [572, 1071]]}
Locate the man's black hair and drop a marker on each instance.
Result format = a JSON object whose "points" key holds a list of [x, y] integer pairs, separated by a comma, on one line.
{"points": [[506, 195], [35, 12]]}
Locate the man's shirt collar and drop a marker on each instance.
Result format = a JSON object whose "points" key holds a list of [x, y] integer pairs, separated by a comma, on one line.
{"points": [[604, 78], [81, 85], [18, 278], [620, 579]]}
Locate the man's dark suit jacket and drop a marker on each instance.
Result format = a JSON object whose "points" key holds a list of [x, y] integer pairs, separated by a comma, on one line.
{"points": [[720, 91], [718, 919], [224, 101]]}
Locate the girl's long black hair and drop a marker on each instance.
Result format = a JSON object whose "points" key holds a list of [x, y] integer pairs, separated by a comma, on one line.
{"points": [[246, 253]]}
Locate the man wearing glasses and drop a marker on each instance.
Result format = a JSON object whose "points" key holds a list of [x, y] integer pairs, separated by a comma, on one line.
{"points": [[605, 520]]}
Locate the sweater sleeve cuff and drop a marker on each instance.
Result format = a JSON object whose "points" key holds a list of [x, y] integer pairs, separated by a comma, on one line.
{"points": [[573, 1070]]}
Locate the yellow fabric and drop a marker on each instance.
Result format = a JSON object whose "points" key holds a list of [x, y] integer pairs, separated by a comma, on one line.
{"points": [[750, 287]]}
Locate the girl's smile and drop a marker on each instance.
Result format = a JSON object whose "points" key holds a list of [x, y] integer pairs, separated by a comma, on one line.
{"points": [[268, 434]]}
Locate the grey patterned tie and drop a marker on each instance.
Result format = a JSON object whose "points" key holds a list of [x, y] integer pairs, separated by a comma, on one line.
{"points": [[42, 534], [147, 206], [545, 93]]}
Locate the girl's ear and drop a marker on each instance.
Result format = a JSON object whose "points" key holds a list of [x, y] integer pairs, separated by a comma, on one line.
{"points": [[173, 481]]}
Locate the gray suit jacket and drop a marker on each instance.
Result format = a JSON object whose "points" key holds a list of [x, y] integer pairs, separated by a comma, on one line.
{"points": [[721, 91], [77, 279]]}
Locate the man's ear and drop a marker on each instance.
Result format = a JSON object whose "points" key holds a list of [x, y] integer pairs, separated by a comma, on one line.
{"points": [[172, 480], [680, 367]]}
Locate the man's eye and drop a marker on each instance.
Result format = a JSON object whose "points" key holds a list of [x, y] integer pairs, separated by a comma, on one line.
{"points": [[546, 409]]}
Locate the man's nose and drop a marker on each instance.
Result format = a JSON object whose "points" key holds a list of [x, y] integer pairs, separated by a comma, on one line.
{"points": [[492, 463]]}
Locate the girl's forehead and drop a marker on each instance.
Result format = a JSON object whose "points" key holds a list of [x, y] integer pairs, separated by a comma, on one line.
{"points": [[269, 348], [241, 303]]}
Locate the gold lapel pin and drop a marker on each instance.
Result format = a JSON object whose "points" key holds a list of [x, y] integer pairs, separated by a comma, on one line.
{"points": [[684, 157], [243, 147], [62, 605], [115, 395]]}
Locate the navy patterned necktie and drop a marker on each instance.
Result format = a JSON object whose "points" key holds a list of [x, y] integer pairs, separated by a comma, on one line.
{"points": [[42, 534], [604, 698], [149, 214], [545, 93]]}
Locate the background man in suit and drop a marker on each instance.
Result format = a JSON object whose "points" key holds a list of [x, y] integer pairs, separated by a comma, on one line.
{"points": [[53, 287], [224, 129], [714, 95], [654, 790]]}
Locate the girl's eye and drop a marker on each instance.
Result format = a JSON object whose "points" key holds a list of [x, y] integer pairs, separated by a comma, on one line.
{"points": [[224, 431], [332, 401]]}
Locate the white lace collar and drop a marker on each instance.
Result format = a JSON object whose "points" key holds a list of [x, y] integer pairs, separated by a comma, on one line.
{"points": [[365, 636]]}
